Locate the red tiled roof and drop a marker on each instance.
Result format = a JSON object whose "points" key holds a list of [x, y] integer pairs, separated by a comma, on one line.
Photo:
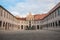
{"points": [[21, 18], [36, 17], [39, 16]]}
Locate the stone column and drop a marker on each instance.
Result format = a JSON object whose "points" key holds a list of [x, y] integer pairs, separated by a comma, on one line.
{"points": [[36, 27], [11, 27], [39, 27], [51, 24], [2, 24], [54, 24], [7, 26], [23, 27], [20, 27], [58, 23]]}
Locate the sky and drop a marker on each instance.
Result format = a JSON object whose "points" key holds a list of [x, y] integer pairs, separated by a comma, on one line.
{"points": [[23, 7]]}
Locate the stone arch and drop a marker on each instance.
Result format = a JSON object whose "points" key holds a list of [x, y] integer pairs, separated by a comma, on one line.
{"points": [[33, 27], [26, 27], [37, 26]]}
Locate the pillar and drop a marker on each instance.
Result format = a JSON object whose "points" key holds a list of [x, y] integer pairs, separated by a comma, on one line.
{"points": [[2, 24], [36, 27], [23, 27], [55, 24]]}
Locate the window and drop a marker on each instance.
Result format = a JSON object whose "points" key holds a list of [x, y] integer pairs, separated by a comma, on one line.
{"points": [[59, 11], [1, 11], [52, 15], [7, 14], [29, 21], [55, 14], [4, 13]]}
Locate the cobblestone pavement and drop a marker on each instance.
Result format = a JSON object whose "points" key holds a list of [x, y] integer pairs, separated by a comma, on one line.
{"points": [[30, 35]]}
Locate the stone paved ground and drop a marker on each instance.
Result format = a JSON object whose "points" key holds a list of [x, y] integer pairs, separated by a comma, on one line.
{"points": [[30, 35]]}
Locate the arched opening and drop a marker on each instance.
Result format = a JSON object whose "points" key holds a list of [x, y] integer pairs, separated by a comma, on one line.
{"points": [[21, 26], [27, 28], [33, 27], [59, 23], [0, 23], [37, 26]]}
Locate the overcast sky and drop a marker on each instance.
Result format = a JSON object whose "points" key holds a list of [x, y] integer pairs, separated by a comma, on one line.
{"points": [[23, 7]]}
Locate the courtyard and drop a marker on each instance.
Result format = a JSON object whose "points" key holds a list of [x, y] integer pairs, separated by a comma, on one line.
{"points": [[30, 35]]}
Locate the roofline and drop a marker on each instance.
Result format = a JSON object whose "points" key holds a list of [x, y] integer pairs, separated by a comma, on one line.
{"points": [[7, 10], [52, 10]]}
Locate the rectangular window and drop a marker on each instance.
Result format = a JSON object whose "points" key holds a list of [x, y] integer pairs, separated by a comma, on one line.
{"points": [[55, 13], [4, 13], [59, 11], [1, 11]]}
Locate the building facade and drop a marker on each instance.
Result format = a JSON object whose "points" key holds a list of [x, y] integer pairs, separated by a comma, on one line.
{"points": [[31, 22], [50, 20], [7, 20]]}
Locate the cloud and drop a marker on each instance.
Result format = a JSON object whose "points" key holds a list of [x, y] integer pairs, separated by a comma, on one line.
{"points": [[24, 8], [34, 6]]}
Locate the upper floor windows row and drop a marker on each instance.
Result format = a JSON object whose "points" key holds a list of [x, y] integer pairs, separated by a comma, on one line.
{"points": [[0, 12], [53, 15], [5, 14], [24, 22], [59, 11]]}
